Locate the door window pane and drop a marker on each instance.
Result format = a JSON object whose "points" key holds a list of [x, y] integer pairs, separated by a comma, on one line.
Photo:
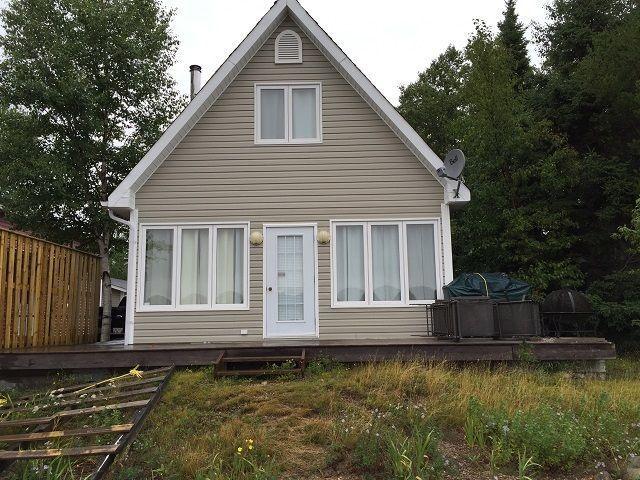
{"points": [[158, 267], [230, 266], [290, 278], [194, 267], [304, 113], [385, 261], [272, 113], [350, 263], [421, 258]]}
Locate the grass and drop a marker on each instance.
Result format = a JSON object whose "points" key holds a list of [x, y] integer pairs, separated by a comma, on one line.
{"points": [[391, 421]]}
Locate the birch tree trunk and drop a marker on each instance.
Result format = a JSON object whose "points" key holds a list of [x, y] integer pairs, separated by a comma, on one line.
{"points": [[105, 331]]}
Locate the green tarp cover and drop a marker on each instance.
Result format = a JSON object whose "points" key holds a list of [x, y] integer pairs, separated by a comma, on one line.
{"points": [[498, 286]]}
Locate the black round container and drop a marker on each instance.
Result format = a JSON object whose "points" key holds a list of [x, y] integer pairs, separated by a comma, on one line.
{"points": [[567, 312]]}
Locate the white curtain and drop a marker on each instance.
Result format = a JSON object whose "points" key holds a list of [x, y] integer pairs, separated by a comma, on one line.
{"points": [[290, 269], [422, 262], [158, 267], [385, 258], [194, 267], [272, 113], [350, 263], [304, 112], [230, 266]]}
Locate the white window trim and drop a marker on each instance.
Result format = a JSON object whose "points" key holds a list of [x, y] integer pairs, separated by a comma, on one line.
{"points": [[404, 271], [177, 228], [288, 87]]}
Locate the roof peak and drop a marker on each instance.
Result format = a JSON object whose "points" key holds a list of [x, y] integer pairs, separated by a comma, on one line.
{"points": [[123, 197]]}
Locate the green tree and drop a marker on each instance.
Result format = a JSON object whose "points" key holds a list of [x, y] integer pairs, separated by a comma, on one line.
{"points": [[616, 296], [590, 93], [432, 104], [519, 172], [85, 91], [511, 33]]}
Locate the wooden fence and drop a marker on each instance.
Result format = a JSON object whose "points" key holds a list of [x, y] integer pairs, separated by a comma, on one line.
{"points": [[49, 293]]}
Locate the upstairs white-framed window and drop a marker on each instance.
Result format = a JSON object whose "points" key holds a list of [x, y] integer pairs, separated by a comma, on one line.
{"points": [[288, 113], [381, 263], [193, 267]]}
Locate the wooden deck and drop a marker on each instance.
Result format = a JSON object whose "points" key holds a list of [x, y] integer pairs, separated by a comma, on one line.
{"points": [[118, 356]]}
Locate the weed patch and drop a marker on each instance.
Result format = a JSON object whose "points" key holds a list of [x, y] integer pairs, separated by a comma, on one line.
{"points": [[553, 436]]}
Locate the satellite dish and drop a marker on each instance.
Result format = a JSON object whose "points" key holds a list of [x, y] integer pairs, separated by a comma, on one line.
{"points": [[454, 163]]}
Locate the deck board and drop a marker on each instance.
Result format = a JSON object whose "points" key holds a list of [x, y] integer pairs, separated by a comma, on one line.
{"points": [[111, 355]]}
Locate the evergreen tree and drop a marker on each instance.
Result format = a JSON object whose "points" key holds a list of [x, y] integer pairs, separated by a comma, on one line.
{"points": [[590, 93], [511, 33], [519, 171], [519, 219], [84, 93]]}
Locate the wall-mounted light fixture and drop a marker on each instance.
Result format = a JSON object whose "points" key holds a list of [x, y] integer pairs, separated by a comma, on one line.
{"points": [[324, 237], [256, 238]]}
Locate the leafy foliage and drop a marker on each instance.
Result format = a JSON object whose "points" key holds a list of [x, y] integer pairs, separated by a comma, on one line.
{"points": [[84, 93], [553, 154]]}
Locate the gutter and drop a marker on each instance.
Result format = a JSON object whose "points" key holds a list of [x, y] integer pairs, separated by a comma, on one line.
{"points": [[113, 215]]}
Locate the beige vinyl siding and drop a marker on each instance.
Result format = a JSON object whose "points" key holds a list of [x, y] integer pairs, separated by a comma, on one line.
{"points": [[361, 170]]}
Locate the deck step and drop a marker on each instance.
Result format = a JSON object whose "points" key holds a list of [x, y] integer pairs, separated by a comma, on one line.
{"points": [[242, 373], [222, 362], [273, 358]]}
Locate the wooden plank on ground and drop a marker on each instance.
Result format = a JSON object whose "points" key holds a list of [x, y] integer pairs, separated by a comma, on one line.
{"points": [[89, 391], [128, 437], [80, 401], [57, 452], [71, 413], [79, 432], [145, 374]]}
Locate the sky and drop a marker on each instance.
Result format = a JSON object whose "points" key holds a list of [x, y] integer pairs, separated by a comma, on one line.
{"points": [[391, 41]]}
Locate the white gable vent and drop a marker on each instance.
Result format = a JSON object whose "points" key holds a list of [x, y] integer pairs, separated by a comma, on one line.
{"points": [[288, 47]]}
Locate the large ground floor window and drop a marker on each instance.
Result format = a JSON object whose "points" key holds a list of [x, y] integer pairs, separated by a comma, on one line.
{"points": [[193, 267], [385, 263]]}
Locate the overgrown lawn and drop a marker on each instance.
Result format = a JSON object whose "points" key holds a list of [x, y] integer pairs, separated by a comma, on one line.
{"points": [[391, 421]]}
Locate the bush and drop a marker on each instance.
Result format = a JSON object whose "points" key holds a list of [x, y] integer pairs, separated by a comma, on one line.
{"points": [[553, 437]]}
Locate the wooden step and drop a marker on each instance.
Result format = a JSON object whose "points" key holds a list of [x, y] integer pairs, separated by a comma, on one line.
{"points": [[222, 362], [254, 373], [275, 358]]}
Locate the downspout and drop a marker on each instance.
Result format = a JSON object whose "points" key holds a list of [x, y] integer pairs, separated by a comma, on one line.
{"points": [[117, 219], [132, 223]]}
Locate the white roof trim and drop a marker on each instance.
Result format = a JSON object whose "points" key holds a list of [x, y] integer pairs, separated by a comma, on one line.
{"points": [[123, 196]]}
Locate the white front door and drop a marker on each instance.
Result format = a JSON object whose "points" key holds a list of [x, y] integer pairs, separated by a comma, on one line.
{"points": [[290, 282]]}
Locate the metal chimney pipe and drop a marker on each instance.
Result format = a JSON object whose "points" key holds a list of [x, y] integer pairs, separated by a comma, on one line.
{"points": [[195, 71]]}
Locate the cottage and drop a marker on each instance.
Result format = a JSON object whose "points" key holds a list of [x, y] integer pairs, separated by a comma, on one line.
{"points": [[288, 200]]}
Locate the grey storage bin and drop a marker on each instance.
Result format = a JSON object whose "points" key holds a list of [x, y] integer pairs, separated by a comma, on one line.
{"points": [[475, 317], [518, 319], [466, 317]]}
